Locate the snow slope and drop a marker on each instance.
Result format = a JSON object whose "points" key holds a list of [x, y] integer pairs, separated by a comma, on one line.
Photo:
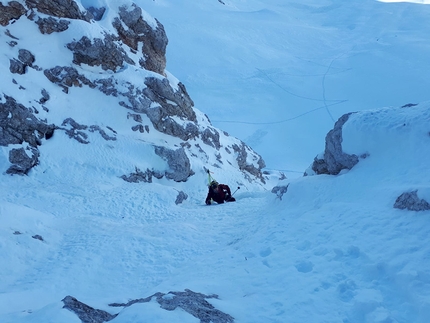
{"points": [[278, 74], [333, 249]]}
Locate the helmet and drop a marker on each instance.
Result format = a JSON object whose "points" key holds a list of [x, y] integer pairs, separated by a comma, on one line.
{"points": [[213, 184]]}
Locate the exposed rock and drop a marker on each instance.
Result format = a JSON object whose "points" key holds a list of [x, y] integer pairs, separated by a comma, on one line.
{"points": [[136, 117], [25, 58], [45, 97], [334, 159], [168, 106], [159, 90], [195, 304], [171, 104], [179, 164], [59, 8], [182, 196], [244, 165], [191, 302], [14, 10], [17, 67], [86, 313], [107, 86], [411, 202], [164, 123], [38, 237], [154, 40], [211, 138], [50, 25], [139, 176], [409, 105], [102, 52], [97, 12], [280, 190], [78, 132], [139, 128], [67, 77], [21, 161], [18, 125]]}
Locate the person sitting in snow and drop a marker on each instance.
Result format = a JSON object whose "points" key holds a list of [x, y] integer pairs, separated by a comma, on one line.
{"points": [[219, 193]]}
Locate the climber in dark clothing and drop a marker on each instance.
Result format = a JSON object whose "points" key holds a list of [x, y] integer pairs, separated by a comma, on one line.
{"points": [[220, 193]]}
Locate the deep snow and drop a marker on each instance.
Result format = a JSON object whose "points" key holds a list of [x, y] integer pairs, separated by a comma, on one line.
{"points": [[333, 249]]}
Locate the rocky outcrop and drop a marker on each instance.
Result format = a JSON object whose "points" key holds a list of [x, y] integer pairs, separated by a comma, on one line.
{"points": [[12, 11], [86, 313], [189, 301], [50, 25], [280, 190], [59, 8], [18, 125], [334, 159], [154, 40], [66, 77], [22, 160], [139, 176], [182, 196], [179, 164], [99, 52], [134, 45], [410, 201], [80, 132], [25, 59]]}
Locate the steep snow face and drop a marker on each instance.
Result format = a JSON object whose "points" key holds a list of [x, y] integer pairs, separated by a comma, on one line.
{"points": [[91, 74]]}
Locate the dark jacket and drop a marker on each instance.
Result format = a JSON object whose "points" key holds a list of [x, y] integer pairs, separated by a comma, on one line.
{"points": [[219, 196]]}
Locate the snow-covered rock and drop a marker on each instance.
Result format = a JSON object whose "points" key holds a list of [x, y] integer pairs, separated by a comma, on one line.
{"points": [[81, 70]]}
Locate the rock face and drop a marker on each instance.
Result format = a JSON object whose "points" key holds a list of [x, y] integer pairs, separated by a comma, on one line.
{"points": [[334, 159], [59, 8], [18, 125], [125, 63], [137, 31]]}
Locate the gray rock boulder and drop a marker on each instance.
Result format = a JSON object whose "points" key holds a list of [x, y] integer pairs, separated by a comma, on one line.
{"points": [[22, 160], [66, 77], [280, 190], [139, 176], [179, 164], [18, 125], [182, 196], [242, 161], [99, 52], [59, 8], [334, 159], [410, 201], [25, 59]]}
